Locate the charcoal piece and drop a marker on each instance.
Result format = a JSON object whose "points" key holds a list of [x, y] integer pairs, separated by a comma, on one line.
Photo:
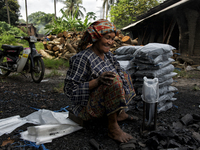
{"points": [[196, 117], [196, 135], [187, 119], [172, 143], [177, 125], [194, 127]]}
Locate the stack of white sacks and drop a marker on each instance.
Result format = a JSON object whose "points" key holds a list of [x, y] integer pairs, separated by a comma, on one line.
{"points": [[153, 61]]}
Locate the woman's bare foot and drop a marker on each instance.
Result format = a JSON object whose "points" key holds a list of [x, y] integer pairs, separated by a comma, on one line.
{"points": [[117, 134], [114, 130], [123, 116]]}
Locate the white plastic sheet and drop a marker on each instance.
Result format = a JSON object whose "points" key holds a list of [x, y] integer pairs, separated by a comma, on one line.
{"points": [[46, 133], [51, 125], [7, 125]]}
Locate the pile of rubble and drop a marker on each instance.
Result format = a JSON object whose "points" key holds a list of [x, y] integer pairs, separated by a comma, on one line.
{"points": [[64, 45]]}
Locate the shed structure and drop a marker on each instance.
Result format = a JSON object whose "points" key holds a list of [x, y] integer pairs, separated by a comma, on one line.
{"points": [[174, 22], [31, 28]]}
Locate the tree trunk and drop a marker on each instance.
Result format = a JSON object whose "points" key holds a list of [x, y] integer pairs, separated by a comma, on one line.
{"points": [[70, 47], [8, 12], [45, 54]]}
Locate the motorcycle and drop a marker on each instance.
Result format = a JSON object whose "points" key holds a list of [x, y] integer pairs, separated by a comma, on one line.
{"points": [[22, 60]]}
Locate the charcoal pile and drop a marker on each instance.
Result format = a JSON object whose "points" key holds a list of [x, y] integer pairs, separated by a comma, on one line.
{"points": [[181, 135], [64, 45]]}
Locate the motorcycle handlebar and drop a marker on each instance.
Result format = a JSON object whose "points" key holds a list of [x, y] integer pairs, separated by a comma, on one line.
{"points": [[26, 38], [22, 37]]}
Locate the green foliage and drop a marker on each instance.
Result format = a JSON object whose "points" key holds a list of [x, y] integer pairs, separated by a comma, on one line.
{"points": [[71, 7], [39, 46], [91, 15], [21, 21], [68, 23], [14, 11], [8, 29], [125, 11], [59, 88], [52, 73], [56, 64], [8, 33], [40, 19], [84, 24]]}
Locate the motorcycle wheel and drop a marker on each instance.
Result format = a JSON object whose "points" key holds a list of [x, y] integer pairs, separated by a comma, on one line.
{"points": [[37, 73], [3, 62]]}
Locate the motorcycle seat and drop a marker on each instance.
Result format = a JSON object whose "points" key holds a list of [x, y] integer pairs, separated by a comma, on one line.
{"points": [[9, 47]]}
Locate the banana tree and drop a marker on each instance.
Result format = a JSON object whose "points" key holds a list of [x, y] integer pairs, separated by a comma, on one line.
{"points": [[64, 23]]}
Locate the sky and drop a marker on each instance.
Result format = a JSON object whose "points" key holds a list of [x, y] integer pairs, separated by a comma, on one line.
{"points": [[47, 6]]}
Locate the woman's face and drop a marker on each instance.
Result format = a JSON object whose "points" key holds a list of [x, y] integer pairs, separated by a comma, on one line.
{"points": [[104, 44]]}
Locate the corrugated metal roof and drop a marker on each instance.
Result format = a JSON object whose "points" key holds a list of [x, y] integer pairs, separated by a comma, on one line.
{"points": [[165, 9]]}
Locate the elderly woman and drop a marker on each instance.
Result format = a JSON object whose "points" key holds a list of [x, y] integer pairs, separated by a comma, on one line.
{"points": [[95, 83]]}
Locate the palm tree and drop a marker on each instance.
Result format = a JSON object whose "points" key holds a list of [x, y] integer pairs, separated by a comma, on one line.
{"points": [[26, 15], [107, 4], [55, 6], [8, 12], [72, 6]]}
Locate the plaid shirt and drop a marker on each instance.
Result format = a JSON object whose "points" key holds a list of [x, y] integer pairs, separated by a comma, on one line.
{"points": [[84, 67]]}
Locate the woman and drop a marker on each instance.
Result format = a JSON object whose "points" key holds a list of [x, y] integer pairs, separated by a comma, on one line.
{"points": [[95, 83]]}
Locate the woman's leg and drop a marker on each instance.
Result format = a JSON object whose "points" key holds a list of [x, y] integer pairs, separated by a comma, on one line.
{"points": [[109, 100], [115, 132], [123, 116]]}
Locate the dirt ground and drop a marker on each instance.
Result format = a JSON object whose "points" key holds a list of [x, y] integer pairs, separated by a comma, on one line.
{"points": [[19, 96]]}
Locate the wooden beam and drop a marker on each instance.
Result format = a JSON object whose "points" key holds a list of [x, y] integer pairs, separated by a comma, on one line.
{"points": [[165, 36], [192, 16], [170, 32]]}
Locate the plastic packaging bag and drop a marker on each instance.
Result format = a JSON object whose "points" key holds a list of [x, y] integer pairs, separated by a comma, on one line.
{"points": [[167, 89], [154, 52], [165, 97], [166, 83], [167, 106], [142, 66], [150, 90], [124, 64], [124, 57], [155, 73], [124, 50]]}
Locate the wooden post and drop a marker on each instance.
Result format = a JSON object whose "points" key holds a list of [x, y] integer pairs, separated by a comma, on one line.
{"points": [[165, 36], [192, 17], [170, 32]]}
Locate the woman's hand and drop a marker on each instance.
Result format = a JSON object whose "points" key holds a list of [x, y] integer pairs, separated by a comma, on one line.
{"points": [[106, 78]]}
